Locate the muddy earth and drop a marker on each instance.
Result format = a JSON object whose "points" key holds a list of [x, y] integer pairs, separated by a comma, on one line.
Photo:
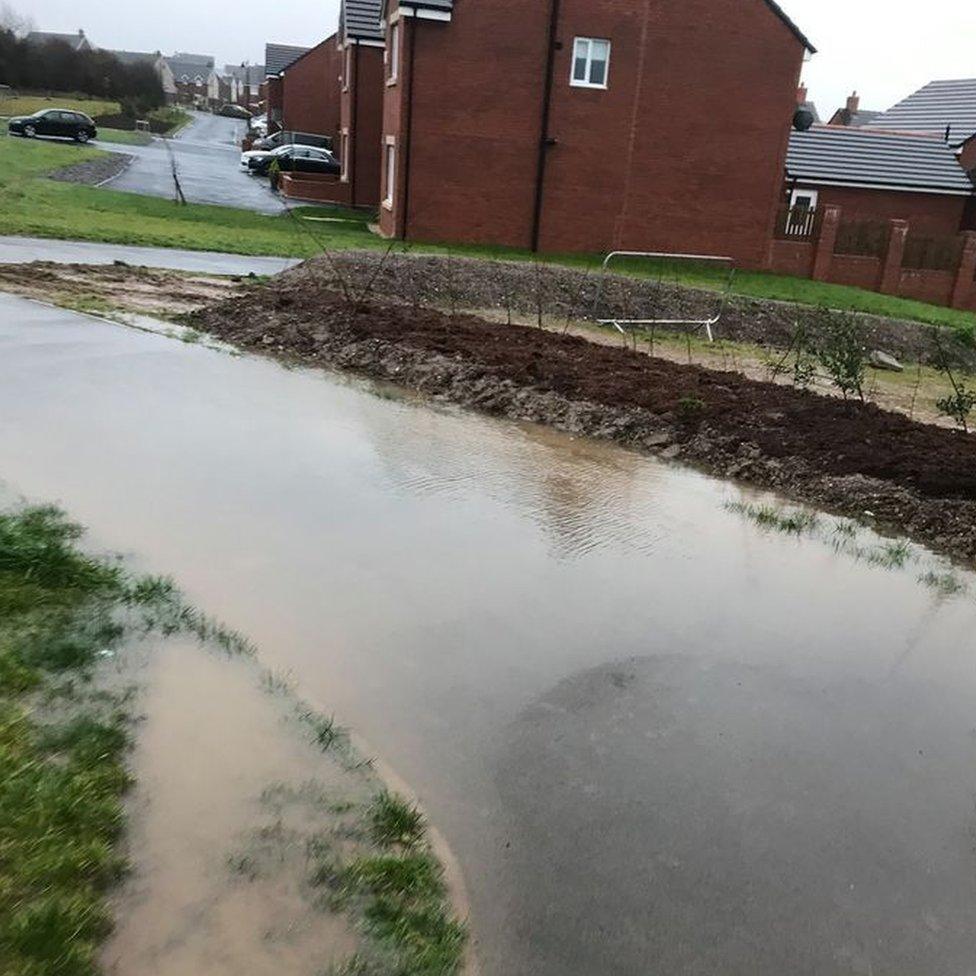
{"points": [[851, 457]]}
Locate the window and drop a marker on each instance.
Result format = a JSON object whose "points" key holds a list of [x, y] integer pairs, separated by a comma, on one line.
{"points": [[344, 154], [390, 174], [804, 199], [591, 63], [346, 67], [393, 55]]}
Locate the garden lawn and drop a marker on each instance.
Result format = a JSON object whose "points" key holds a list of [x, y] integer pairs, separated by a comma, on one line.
{"points": [[28, 104], [33, 205], [124, 137]]}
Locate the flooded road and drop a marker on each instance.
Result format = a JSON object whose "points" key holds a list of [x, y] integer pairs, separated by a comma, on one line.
{"points": [[657, 738]]}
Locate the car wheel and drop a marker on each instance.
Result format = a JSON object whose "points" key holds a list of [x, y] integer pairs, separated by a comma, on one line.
{"points": [[29, 131], [82, 136]]}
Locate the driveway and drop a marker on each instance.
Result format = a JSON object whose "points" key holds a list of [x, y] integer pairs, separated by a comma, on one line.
{"points": [[205, 154], [660, 740]]}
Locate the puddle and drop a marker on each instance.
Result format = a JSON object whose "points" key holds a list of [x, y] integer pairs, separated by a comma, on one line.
{"points": [[463, 591], [218, 880]]}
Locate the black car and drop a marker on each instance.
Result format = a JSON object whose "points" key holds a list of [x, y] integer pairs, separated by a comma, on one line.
{"points": [[298, 159], [54, 122]]}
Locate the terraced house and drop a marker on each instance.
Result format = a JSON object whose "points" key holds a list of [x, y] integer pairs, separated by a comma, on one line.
{"points": [[588, 125]]}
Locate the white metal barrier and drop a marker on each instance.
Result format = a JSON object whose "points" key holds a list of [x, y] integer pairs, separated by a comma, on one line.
{"points": [[625, 325]]}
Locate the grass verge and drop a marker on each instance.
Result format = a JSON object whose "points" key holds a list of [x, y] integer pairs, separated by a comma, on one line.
{"points": [[124, 137], [28, 104], [40, 207], [63, 740]]}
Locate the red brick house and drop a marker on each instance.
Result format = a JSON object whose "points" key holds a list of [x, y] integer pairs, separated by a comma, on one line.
{"points": [[878, 175], [362, 81], [309, 89], [588, 125]]}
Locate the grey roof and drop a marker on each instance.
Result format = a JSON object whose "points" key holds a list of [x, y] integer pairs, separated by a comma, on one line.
{"points": [[248, 74], [360, 19], [843, 156], [277, 57], [76, 40], [206, 60], [933, 107], [136, 57], [180, 66]]}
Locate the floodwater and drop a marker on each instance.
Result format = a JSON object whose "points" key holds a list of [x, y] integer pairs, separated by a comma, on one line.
{"points": [[216, 883], [657, 738]]}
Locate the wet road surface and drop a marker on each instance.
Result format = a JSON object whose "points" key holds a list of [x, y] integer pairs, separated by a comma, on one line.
{"points": [[659, 740], [207, 154], [19, 250]]}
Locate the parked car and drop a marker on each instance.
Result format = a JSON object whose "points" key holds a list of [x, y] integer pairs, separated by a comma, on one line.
{"points": [[299, 159], [258, 126], [232, 111], [54, 122], [287, 137], [251, 158]]}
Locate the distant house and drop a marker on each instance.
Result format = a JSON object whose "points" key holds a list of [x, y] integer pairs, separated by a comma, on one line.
{"points": [[157, 62], [307, 91], [194, 79], [77, 41], [277, 57], [941, 108], [852, 114], [247, 81], [880, 176]]}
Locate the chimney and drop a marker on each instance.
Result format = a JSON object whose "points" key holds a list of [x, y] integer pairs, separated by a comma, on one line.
{"points": [[801, 95], [853, 102]]}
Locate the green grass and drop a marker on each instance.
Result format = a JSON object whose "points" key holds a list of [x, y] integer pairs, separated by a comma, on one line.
{"points": [[29, 104], [173, 115], [398, 892], [61, 783], [40, 207], [394, 822], [124, 137], [63, 740]]}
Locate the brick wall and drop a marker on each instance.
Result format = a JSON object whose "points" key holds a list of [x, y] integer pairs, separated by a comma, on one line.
{"points": [[361, 116], [683, 151], [885, 271], [310, 91], [928, 213]]}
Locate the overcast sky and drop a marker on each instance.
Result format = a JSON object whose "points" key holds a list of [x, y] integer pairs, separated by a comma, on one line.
{"points": [[885, 50]]}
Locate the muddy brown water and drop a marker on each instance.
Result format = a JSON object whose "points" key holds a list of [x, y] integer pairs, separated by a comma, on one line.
{"points": [[657, 738]]}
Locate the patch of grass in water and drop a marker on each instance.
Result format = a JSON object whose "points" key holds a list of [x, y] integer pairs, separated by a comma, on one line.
{"points": [[945, 584], [790, 521], [394, 822]]}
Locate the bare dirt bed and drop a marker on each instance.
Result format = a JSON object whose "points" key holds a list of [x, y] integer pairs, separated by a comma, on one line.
{"points": [[518, 287], [847, 456]]}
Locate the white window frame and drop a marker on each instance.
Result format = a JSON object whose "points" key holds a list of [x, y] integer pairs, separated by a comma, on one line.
{"points": [[344, 155], [812, 194], [393, 54], [586, 83], [389, 171]]}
